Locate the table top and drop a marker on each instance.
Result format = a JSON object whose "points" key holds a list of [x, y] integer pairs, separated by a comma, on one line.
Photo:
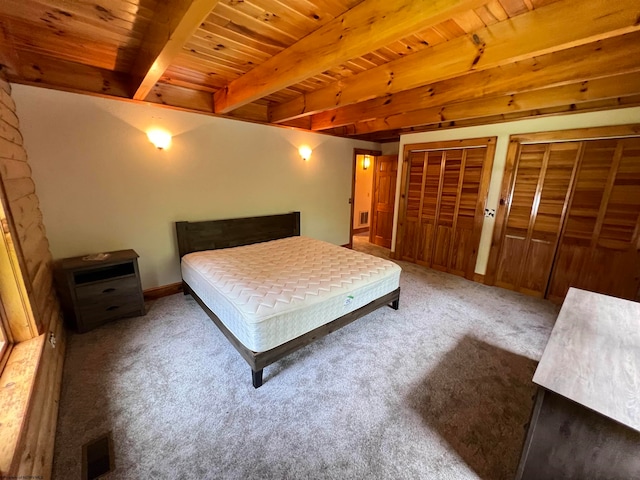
{"points": [[87, 261], [593, 355]]}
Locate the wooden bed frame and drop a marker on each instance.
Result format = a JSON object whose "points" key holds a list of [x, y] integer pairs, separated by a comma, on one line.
{"points": [[215, 234]]}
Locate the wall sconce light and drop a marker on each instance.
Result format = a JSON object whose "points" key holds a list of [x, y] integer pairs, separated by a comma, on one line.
{"points": [[366, 162], [160, 138], [305, 152]]}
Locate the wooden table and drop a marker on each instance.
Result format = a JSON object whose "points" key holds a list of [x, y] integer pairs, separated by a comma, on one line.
{"points": [[586, 417]]}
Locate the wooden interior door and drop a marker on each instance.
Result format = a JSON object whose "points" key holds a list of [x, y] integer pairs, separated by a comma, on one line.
{"points": [[600, 246], [444, 192], [540, 188], [383, 199]]}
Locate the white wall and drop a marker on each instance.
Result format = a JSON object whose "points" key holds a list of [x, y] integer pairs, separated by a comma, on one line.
{"points": [[390, 148], [103, 186], [503, 131]]}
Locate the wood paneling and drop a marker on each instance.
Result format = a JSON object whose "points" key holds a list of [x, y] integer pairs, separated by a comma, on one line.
{"points": [[329, 46], [573, 65], [35, 318], [591, 106], [45, 71], [35, 450], [444, 191], [81, 32], [617, 86], [525, 36], [174, 23]]}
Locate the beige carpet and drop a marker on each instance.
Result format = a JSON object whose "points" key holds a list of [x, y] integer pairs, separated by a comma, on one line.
{"points": [[361, 243], [438, 389]]}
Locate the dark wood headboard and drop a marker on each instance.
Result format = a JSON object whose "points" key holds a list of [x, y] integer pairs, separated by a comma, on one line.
{"points": [[234, 232]]}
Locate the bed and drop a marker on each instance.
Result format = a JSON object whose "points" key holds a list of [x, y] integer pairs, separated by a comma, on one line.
{"points": [[271, 291]]}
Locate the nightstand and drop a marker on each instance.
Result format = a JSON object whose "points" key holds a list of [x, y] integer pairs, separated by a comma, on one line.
{"points": [[96, 291]]}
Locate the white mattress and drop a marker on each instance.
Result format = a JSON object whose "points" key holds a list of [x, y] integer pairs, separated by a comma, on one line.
{"points": [[269, 293]]}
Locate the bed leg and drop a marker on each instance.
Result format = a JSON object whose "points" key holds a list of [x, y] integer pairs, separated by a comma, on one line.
{"points": [[185, 288], [256, 378], [396, 304]]}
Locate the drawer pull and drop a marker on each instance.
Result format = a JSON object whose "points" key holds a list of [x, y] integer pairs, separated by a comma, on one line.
{"points": [[112, 308], [108, 290]]}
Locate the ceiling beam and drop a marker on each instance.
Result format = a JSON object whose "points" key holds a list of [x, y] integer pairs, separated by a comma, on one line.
{"points": [[368, 26], [180, 98], [9, 58], [50, 72], [586, 62], [256, 112], [192, 100], [561, 96], [173, 25], [554, 27], [394, 135]]}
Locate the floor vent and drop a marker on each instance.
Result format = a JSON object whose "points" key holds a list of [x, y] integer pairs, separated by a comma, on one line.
{"points": [[97, 457], [364, 218]]}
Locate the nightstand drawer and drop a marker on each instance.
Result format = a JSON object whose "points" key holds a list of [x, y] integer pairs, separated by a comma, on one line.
{"points": [[104, 291], [109, 308]]}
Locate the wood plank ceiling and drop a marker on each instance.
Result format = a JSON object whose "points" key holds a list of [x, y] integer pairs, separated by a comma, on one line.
{"points": [[369, 69]]}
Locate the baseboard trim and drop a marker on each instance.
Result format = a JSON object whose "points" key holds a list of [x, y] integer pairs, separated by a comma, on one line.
{"points": [[162, 291], [356, 231], [478, 278]]}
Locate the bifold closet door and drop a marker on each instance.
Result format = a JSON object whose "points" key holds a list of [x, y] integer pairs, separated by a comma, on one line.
{"points": [[442, 206], [600, 246], [459, 220], [411, 207], [429, 205], [539, 191]]}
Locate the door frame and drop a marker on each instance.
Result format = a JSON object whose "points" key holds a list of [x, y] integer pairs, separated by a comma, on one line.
{"points": [[354, 167]]}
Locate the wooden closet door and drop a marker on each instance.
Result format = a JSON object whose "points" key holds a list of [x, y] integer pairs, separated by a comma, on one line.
{"points": [[539, 192], [446, 213], [469, 214], [600, 246], [441, 212], [411, 206], [460, 211], [432, 181]]}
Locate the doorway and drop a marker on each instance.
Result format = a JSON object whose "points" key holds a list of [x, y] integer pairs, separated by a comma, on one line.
{"points": [[372, 201]]}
